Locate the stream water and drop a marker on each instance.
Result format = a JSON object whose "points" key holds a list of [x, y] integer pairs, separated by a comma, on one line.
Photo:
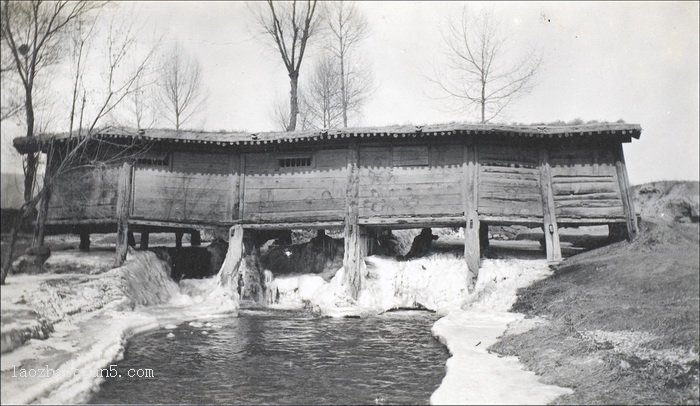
{"points": [[291, 357]]}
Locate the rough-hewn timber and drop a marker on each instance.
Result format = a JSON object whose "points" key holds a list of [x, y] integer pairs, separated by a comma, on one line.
{"points": [[472, 252], [353, 260], [122, 212], [551, 231]]}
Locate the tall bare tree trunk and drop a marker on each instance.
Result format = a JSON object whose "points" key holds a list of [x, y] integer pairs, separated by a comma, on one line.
{"points": [[7, 261], [483, 101], [343, 91], [293, 100], [39, 228], [14, 231], [30, 174]]}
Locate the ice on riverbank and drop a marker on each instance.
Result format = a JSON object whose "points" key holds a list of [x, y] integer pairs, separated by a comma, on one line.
{"points": [[474, 375], [474, 319], [437, 282], [92, 317]]}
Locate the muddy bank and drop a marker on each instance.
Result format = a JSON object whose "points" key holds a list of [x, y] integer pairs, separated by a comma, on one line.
{"points": [[623, 321]]}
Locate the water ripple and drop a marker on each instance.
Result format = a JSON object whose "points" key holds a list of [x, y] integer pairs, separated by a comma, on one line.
{"points": [[285, 357]]}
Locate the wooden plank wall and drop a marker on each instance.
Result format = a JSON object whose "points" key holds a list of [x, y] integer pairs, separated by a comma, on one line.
{"points": [[85, 194], [395, 181], [410, 181], [509, 181], [198, 188], [313, 193], [585, 183]]}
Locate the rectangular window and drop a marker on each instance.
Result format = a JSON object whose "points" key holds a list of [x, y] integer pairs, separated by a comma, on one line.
{"points": [[153, 159], [294, 162]]}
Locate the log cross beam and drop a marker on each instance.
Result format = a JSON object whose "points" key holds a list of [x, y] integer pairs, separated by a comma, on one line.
{"points": [[470, 188], [551, 231]]}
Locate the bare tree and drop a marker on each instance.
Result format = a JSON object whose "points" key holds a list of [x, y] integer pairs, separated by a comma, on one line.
{"points": [[80, 47], [11, 104], [181, 91], [141, 106], [347, 28], [121, 81], [280, 113], [481, 72], [321, 96], [32, 31], [290, 27]]}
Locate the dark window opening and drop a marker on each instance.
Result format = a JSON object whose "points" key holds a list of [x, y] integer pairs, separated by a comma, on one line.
{"points": [[294, 162], [158, 159]]}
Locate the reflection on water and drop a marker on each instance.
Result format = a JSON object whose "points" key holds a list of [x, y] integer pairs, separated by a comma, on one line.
{"points": [[285, 357]]}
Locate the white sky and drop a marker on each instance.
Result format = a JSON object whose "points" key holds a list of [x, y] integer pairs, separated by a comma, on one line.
{"points": [[602, 61]]}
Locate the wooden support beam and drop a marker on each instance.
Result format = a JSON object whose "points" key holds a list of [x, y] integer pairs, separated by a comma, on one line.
{"points": [[144, 240], [470, 191], [178, 239], [84, 240], [233, 167], [131, 240], [229, 275], [241, 188], [483, 236], [625, 192], [123, 205], [195, 238], [353, 260], [551, 232]]}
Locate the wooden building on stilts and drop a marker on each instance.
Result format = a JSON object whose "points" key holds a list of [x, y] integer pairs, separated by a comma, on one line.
{"points": [[361, 180]]}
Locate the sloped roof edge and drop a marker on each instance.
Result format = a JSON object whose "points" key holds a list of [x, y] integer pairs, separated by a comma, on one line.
{"points": [[24, 145]]}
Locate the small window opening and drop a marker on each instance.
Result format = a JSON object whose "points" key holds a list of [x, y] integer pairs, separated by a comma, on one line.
{"points": [[158, 159], [294, 162]]}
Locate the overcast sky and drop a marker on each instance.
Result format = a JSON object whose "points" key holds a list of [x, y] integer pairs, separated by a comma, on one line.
{"points": [[602, 61]]}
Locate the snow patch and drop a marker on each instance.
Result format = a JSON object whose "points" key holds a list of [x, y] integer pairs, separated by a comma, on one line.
{"points": [[474, 375], [438, 282]]}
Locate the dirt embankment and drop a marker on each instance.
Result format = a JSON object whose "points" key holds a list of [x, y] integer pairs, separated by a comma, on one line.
{"points": [[668, 201], [624, 319]]}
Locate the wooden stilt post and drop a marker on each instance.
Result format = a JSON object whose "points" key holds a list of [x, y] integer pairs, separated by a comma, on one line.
{"points": [[241, 187], [195, 239], [123, 207], [483, 236], [627, 202], [229, 275], [144, 240], [472, 254], [131, 240], [354, 251], [178, 239], [84, 240], [551, 232]]}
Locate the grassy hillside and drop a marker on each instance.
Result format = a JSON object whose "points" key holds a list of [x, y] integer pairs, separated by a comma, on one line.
{"points": [[624, 319]]}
